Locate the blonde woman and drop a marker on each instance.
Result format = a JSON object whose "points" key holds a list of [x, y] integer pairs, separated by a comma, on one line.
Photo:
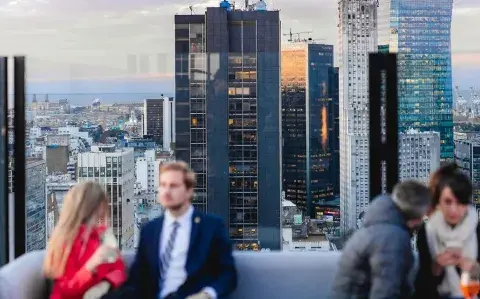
{"points": [[76, 260]]}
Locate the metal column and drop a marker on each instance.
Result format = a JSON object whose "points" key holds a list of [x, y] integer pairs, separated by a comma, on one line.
{"points": [[19, 170], [4, 161]]}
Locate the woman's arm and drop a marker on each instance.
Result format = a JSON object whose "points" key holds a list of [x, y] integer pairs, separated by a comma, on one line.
{"points": [[86, 268], [429, 275], [75, 281], [114, 274]]}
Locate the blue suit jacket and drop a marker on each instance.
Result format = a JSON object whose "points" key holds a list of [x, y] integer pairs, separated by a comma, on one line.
{"points": [[209, 261]]}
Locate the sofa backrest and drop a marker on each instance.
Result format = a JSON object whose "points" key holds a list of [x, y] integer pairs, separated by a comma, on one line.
{"points": [[280, 275]]}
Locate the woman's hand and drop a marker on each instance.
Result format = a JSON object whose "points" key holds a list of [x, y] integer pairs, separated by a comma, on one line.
{"points": [[101, 256], [442, 260], [97, 291], [447, 258], [469, 265]]}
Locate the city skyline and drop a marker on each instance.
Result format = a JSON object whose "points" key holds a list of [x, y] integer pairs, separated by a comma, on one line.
{"points": [[99, 42], [254, 129]]}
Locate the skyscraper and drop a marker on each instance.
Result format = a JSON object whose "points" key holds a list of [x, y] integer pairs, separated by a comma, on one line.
{"points": [[419, 154], [153, 119], [158, 116], [357, 38], [467, 156], [227, 80], [419, 32], [35, 204], [310, 126], [114, 169]]}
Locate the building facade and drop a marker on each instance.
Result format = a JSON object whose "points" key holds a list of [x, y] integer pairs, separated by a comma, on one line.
{"points": [[310, 153], [168, 124], [147, 170], [140, 145], [467, 157], [419, 154], [357, 33], [57, 187], [153, 119], [35, 205], [57, 153], [159, 121], [113, 168], [419, 31], [227, 80]]}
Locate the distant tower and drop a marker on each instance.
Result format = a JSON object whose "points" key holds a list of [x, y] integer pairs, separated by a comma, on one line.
{"points": [[353, 106]]}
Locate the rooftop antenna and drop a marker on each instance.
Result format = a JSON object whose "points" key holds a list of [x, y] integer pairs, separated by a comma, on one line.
{"points": [[191, 9], [246, 4]]}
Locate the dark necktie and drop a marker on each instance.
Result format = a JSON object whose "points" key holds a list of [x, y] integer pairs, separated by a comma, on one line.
{"points": [[167, 255]]}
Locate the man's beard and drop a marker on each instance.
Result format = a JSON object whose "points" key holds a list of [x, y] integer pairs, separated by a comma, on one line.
{"points": [[176, 207]]}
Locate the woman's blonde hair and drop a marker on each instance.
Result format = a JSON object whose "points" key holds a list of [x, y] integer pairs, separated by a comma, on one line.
{"points": [[81, 204]]}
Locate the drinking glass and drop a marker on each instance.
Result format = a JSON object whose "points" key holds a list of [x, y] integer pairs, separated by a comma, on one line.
{"points": [[470, 284], [109, 239]]}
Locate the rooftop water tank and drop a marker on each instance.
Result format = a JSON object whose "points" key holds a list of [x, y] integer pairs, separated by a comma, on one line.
{"points": [[261, 5], [225, 4]]}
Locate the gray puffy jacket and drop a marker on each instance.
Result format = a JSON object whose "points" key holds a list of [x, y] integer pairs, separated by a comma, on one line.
{"points": [[377, 259]]}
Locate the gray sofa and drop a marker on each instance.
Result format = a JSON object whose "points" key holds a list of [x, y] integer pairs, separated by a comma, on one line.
{"points": [[279, 275]]}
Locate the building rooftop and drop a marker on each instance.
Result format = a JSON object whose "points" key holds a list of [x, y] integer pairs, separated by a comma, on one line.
{"points": [[416, 131], [33, 161]]}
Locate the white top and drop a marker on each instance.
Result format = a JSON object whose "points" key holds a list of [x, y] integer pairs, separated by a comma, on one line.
{"points": [[176, 273]]}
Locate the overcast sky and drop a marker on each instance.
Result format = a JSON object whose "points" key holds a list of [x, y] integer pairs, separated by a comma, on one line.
{"points": [[78, 39]]}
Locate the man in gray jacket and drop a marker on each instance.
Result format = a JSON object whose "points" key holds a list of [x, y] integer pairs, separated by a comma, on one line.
{"points": [[377, 259]]}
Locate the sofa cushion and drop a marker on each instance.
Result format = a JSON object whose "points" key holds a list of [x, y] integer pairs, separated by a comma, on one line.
{"points": [[280, 275]]}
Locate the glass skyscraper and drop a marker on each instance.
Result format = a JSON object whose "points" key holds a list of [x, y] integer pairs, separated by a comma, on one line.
{"points": [[310, 152], [227, 93], [419, 32], [35, 205]]}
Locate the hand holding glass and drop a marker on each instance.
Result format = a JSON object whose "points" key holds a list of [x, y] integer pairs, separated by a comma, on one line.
{"points": [[470, 283], [110, 240]]}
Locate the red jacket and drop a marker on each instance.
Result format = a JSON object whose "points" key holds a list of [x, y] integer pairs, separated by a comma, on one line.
{"points": [[76, 279]]}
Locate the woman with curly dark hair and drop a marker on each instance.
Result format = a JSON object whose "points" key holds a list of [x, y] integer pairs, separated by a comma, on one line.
{"points": [[448, 242]]}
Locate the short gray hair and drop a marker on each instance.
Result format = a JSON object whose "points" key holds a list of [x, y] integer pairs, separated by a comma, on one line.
{"points": [[412, 198]]}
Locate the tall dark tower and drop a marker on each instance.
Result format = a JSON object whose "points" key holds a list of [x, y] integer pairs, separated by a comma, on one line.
{"points": [[310, 154], [227, 77]]}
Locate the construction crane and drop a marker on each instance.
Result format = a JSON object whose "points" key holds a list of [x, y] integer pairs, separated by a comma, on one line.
{"points": [[314, 39], [298, 39]]}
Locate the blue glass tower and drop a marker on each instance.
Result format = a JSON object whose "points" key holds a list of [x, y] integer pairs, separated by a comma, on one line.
{"points": [[310, 152], [419, 31]]}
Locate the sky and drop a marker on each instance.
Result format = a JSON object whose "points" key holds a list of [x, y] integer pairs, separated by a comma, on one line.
{"points": [[75, 45]]}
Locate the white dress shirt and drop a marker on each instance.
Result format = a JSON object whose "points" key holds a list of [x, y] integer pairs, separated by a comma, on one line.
{"points": [[176, 273]]}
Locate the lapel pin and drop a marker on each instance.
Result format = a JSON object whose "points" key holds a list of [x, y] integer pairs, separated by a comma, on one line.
{"points": [[197, 220]]}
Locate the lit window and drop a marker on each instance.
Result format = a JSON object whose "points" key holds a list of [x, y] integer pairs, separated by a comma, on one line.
{"points": [[242, 91]]}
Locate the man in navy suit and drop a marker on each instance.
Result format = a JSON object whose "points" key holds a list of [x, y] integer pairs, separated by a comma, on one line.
{"points": [[184, 253]]}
